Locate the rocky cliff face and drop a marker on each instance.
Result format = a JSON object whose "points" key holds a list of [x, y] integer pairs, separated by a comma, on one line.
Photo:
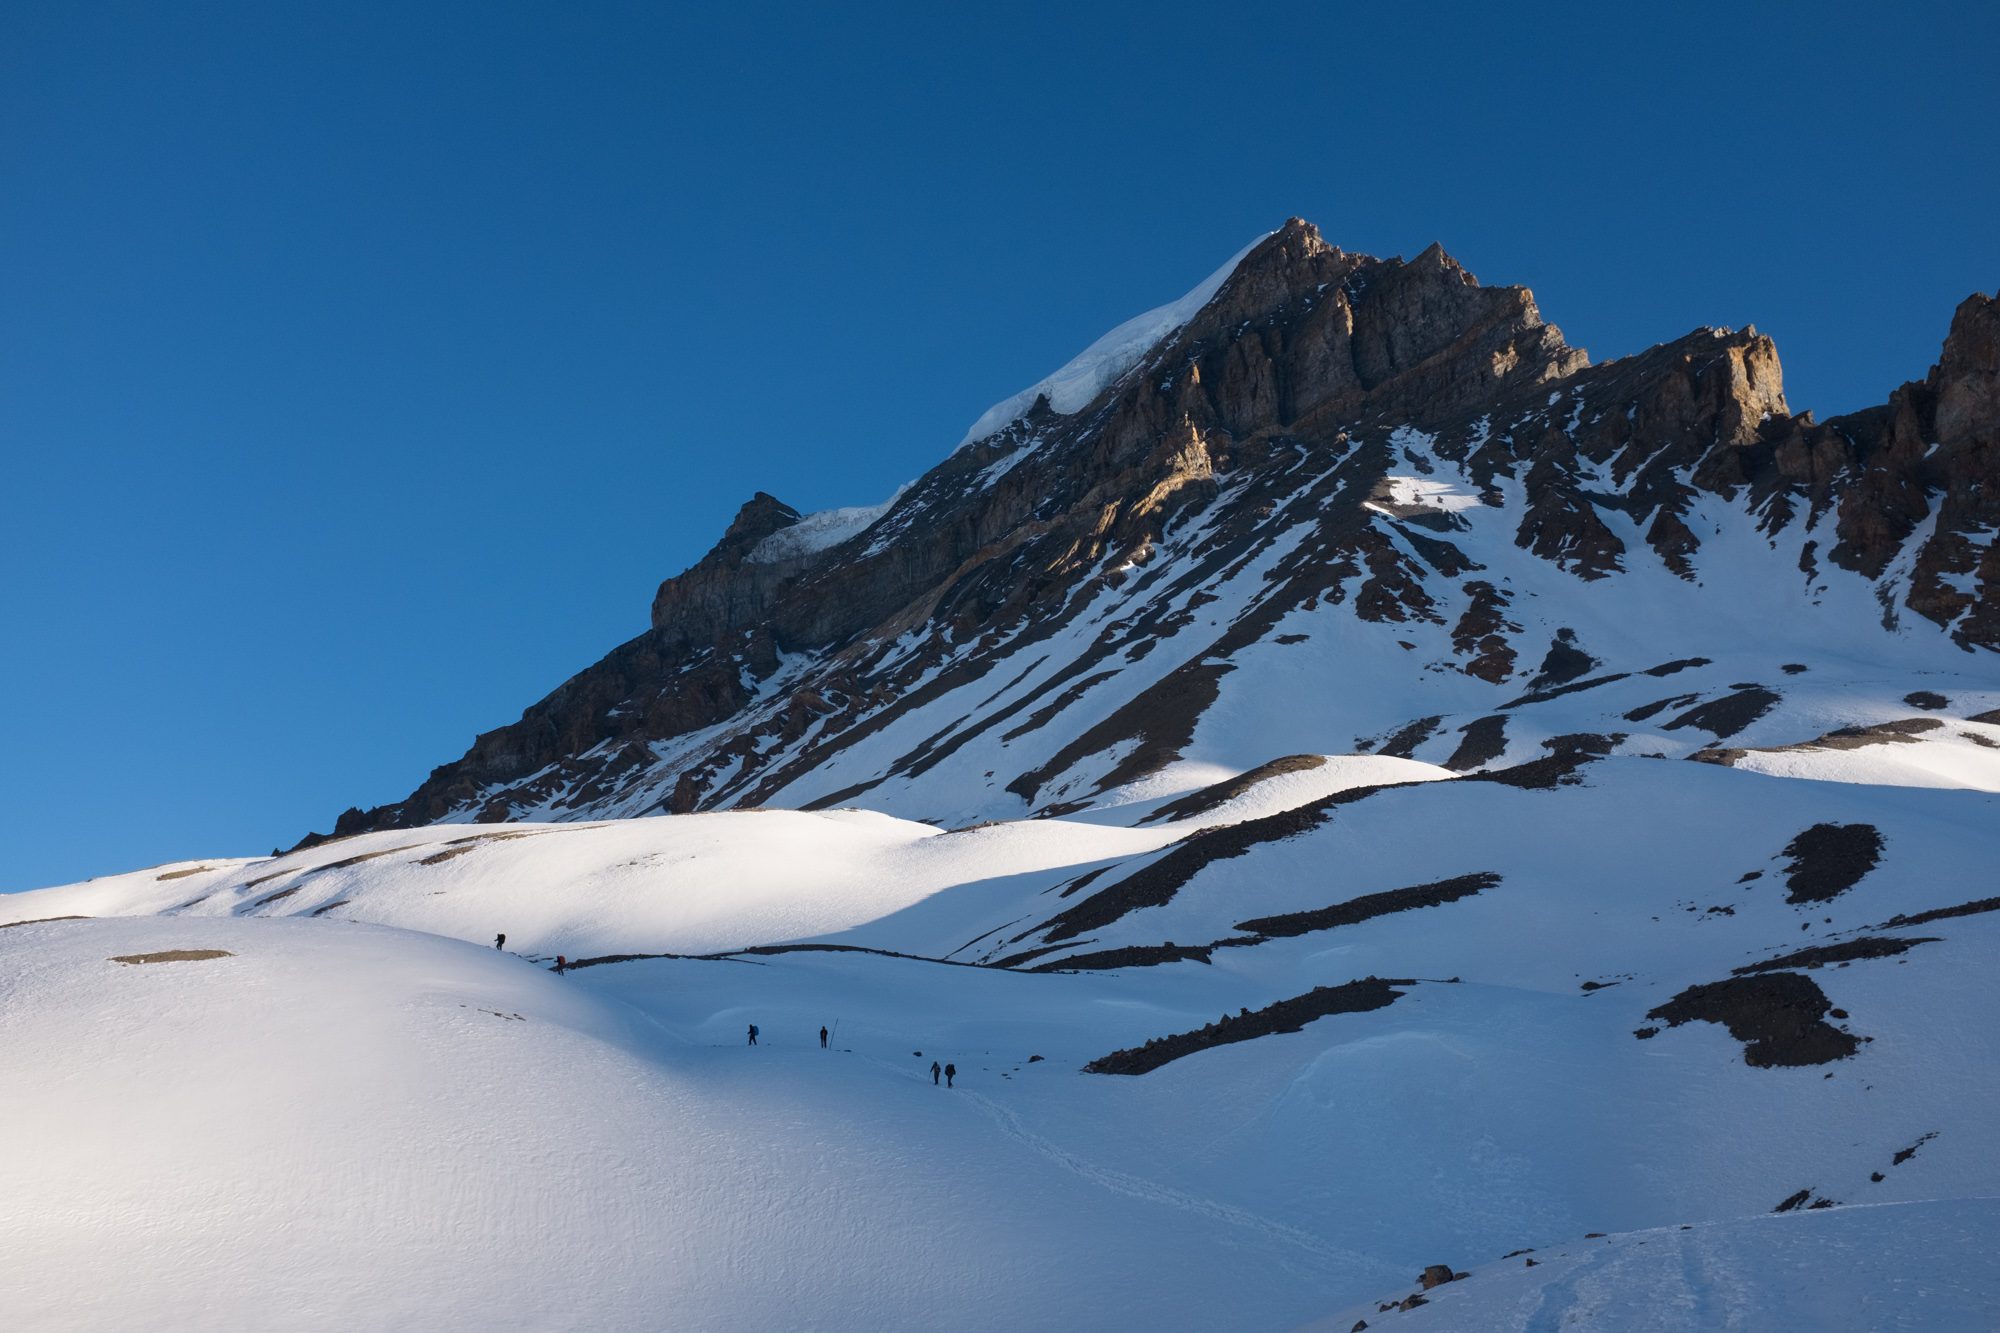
{"points": [[726, 590], [1349, 500]]}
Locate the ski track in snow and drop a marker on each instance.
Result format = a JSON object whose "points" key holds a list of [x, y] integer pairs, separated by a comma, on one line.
{"points": [[1152, 1191]]}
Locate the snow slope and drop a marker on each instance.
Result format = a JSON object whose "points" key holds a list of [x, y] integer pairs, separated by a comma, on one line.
{"points": [[1502, 1098], [820, 531], [1920, 1267], [689, 884], [685, 884], [408, 1132]]}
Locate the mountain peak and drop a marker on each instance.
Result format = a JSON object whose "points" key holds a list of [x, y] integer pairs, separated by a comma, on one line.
{"points": [[725, 589], [1378, 456], [761, 515], [1967, 375]]}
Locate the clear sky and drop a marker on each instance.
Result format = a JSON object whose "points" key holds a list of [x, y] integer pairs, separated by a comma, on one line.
{"points": [[364, 367]]}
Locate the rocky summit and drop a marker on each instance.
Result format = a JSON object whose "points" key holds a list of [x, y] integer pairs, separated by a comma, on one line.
{"points": [[1325, 503]]}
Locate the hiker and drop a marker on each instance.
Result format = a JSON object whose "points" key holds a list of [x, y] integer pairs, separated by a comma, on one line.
{"points": [[822, 1036], [499, 941], [936, 1069], [753, 1034], [561, 963], [950, 1073]]}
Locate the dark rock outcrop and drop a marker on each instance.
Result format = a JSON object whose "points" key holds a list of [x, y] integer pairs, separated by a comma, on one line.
{"points": [[1290, 1015], [1780, 1017]]}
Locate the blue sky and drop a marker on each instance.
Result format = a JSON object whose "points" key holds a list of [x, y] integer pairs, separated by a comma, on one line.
{"points": [[363, 368]]}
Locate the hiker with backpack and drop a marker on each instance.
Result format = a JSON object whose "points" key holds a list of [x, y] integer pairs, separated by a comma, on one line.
{"points": [[753, 1034], [936, 1069], [950, 1073], [500, 941]]}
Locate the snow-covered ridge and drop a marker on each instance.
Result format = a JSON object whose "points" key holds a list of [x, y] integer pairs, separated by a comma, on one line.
{"points": [[821, 531], [1085, 375]]}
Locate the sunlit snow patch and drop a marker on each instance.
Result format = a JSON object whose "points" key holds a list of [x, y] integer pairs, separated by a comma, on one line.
{"points": [[821, 531], [1959, 754], [1214, 794], [1402, 497], [1085, 376]]}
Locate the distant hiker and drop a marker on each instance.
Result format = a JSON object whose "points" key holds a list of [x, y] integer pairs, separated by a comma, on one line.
{"points": [[950, 1073], [753, 1034], [561, 963], [822, 1037], [499, 941], [936, 1069]]}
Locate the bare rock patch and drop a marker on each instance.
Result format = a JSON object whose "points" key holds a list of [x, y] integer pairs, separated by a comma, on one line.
{"points": [[1847, 951], [1827, 860], [1370, 905], [1285, 1016], [1780, 1017], [1724, 717], [173, 956]]}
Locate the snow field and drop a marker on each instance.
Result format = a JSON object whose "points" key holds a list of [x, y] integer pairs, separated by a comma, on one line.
{"points": [[1915, 1267], [614, 1157], [346, 1126]]}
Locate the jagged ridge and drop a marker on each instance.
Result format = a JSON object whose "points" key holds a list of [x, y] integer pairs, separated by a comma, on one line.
{"points": [[1244, 467]]}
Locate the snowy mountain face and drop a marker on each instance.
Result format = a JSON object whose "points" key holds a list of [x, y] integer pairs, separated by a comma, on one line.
{"points": [[1374, 489], [1389, 824]]}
